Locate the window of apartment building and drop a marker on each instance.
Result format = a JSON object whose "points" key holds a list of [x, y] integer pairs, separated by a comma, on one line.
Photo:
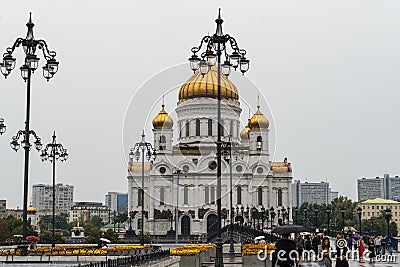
{"points": [[395, 214], [373, 213], [373, 207], [364, 213], [369, 214]]}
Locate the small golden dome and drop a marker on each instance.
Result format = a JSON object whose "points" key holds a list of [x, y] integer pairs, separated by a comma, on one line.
{"points": [[162, 120], [31, 209], [258, 121], [244, 134], [207, 86]]}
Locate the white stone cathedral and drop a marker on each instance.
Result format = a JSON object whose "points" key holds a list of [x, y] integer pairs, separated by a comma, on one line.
{"points": [[256, 180]]}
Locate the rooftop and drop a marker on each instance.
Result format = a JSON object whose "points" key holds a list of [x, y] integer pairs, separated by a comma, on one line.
{"points": [[379, 201]]}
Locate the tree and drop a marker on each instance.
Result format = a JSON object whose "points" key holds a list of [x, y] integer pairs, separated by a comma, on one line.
{"points": [[94, 236], [96, 221], [4, 231], [46, 238]]}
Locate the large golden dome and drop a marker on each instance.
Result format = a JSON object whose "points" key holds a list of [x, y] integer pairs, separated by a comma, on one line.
{"points": [[258, 121], [162, 120], [244, 134], [207, 86]]}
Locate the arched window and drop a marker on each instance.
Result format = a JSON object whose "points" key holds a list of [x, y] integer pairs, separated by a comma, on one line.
{"points": [[140, 193], [162, 201], [279, 197], [231, 129], [163, 142], [212, 195], [187, 129], [207, 195], [259, 143], [239, 194], [210, 131], [185, 195], [180, 129], [260, 196], [197, 127]]}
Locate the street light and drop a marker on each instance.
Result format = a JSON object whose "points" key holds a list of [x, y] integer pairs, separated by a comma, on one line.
{"points": [[227, 152], [342, 211], [177, 173], [316, 218], [114, 219], [272, 213], [359, 211], [305, 216], [216, 45], [29, 45], [296, 211], [2, 126], [388, 215], [328, 212], [53, 152], [142, 148]]}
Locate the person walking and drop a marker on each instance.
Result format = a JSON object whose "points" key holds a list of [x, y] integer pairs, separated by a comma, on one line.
{"points": [[377, 243], [383, 245], [300, 244], [324, 251], [361, 249], [371, 249], [287, 246], [341, 252]]}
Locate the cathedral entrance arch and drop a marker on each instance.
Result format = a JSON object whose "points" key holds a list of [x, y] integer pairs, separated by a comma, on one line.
{"points": [[211, 222], [185, 225]]}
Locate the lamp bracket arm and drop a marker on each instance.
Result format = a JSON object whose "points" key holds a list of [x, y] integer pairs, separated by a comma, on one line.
{"points": [[206, 39], [11, 49], [48, 54]]}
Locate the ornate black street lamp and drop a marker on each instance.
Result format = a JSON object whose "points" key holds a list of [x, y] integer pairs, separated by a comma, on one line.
{"points": [[177, 173], [316, 217], [216, 46], [52, 152], [359, 211], [328, 212], [145, 149], [296, 212], [30, 46], [2, 126], [263, 216], [388, 215], [272, 214], [284, 214], [342, 211], [227, 152], [130, 220], [305, 216]]}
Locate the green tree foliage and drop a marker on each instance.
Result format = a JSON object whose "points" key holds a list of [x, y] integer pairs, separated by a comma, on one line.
{"points": [[4, 231], [96, 221], [61, 222], [46, 238]]}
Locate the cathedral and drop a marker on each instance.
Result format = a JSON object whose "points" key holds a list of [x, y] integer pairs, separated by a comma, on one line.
{"points": [[184, 171]]}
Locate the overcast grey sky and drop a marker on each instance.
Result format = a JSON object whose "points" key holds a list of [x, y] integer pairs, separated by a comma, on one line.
{"points": [[328, 69]]}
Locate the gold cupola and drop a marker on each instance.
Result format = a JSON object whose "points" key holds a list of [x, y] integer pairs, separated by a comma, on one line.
{"points": [[258, 121], [31, 209], [244, 134], [207, 86], [162, 120]]}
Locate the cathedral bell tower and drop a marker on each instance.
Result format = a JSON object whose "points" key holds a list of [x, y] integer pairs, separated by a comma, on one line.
{"points": [[258, 134], [163, 132]]}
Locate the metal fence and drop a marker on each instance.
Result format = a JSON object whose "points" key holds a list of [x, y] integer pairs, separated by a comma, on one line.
{"points": [[129, 261]]}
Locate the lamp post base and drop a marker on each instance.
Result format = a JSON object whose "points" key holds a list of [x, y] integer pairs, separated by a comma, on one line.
{"points": [[23, 247], [219, 261]]}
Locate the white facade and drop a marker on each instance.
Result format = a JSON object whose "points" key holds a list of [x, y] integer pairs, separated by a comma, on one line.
{"points": [[83, 211], [256, 180]]}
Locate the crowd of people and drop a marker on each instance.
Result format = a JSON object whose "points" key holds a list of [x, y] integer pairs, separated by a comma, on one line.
{"points": [[343, 248]]}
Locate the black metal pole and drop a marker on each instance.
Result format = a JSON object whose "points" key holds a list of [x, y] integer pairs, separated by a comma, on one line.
{"points": [[329, 222], [387, 220], [142, 196], [343, 222], [219, 262], [359, 218], [231, 245], [53, 237], [26, 147]]}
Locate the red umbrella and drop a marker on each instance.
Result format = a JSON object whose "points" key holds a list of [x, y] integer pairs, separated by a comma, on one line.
{"points": [[32, 238]]}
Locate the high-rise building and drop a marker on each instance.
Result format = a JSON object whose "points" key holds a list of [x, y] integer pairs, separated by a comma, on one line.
{"points": [[42, 197], [117, 201], [3, 208], [385, 187], [318, 193]]}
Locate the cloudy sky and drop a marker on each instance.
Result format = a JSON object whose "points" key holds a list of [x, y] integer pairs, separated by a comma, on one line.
{"points": [[329, 71]]}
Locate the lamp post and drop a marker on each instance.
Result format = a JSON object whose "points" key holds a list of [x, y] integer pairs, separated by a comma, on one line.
{"points": [[130, 220], [263, 215], [2, 126], [296, 211], [177, 173], [30, 45], [142, 148], [328, 212], [305, 216], [388, 215], [359, 211], [272, 213], [316, 218], [114, 219], [284, 213], [227, 152], [342, 211], [216, 45], [54, 151]]}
